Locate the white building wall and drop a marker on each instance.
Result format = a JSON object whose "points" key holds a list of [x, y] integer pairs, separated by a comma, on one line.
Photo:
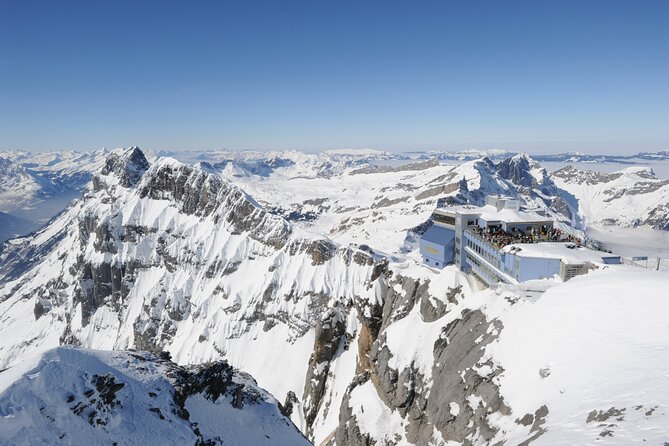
{"points": [[536, 268]]}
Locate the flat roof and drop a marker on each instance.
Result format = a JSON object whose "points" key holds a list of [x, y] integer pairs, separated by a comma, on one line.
{"points": [[567, 252], [490, 213], [463, 209], [438, 234]]}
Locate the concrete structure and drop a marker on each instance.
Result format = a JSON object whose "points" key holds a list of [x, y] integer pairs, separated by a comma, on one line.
{"points": [[437, 246], [499, 242], [567, 260]]}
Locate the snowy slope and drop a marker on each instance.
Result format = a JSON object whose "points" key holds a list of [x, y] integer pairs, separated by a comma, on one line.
{"points": [[584, 363], [381, 207], [71, 396], [18, 186], [630, 197], [35, 186], [594, 352], [359, 348], [173, 257]]}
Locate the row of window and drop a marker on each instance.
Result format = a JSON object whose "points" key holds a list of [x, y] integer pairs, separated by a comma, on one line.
{"points": [[483, 270], [445, 219], [483, 252]]}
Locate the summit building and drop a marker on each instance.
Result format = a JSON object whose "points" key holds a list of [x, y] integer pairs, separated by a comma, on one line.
{"points": [[499, 242]]}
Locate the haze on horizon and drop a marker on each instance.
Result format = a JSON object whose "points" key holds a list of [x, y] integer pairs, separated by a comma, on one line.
{"points": [[540, 77]]}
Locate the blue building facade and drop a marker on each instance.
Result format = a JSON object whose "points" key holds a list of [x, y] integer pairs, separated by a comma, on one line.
{"points": [[499, 242], [529, 268], [437, 246]]}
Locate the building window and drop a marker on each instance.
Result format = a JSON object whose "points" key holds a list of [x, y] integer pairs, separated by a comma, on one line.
{"points": [[446, 219]]}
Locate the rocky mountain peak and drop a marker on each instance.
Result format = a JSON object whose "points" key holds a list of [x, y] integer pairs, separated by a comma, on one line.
{"points": [[127, 166], [518, 169], [82, 396], [643, 172], [485, 161]]}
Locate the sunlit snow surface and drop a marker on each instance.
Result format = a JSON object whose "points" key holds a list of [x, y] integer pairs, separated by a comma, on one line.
{"points": [[596, 343], [57, 399]]}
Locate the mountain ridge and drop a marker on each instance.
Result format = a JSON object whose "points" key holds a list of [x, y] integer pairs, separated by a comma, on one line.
{"points": [[360, 346]]}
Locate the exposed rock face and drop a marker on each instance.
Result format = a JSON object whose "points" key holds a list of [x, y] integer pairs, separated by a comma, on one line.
{"points": [[426, 404], [419, 165], [83, 396], [585, 177], [128, 166], [152, 253], [348, 432], [457, 353], [607, 194], [434, 309], [330, 337], [517, 170]]}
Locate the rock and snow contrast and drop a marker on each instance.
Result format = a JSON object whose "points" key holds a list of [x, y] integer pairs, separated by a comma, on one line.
{"points": [[72, 396], [630, 197], [36, 186], [302, 272]]}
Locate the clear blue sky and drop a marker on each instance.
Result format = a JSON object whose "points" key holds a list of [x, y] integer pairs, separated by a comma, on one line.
{"points": [[541, 76]]}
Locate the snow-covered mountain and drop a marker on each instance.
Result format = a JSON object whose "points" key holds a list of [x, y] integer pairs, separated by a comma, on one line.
{"points": [[383, 206], [630, 197], [36, 186], [19, 187], [41, 184], [577, 157], [30, 176], [64, 169], [361, 348], [287, 163], [173, 257], [72, 396]]}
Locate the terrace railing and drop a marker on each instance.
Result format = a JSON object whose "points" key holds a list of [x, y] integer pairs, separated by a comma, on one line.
{"points": [[499, 239]]}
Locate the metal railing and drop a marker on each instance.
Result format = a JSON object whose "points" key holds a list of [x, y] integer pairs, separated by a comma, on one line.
{"points": [[499, 240]]}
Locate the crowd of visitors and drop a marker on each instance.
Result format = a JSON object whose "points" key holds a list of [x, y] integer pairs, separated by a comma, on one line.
{"points": [[500, 238]]}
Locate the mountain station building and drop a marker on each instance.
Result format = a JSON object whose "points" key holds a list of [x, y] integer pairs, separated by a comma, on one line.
{"points": [[499, 242]]}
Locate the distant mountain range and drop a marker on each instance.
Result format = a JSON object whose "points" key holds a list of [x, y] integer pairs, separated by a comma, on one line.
{"points": [[497, 154], [35, 186], [306, 278]]}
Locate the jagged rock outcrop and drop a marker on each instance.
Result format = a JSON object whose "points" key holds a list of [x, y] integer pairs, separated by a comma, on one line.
{"points": [[348, 431], [362, 349], [601, 197], [456, 400], [92, 397], [172, 257], [127, 166], [518, 170], [330, 338]]}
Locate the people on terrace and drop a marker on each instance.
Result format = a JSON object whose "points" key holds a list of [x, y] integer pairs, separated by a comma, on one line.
{"points": [[499, 238]]}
